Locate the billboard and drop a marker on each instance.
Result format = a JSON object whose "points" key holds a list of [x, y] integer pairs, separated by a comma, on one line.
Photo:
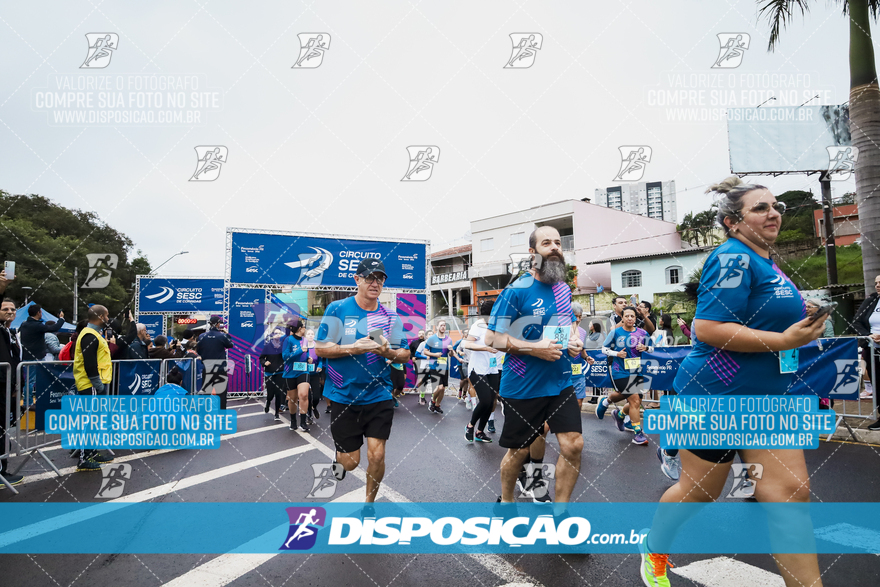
{"points": [[313, 261], [787, 140], [179, 295]]}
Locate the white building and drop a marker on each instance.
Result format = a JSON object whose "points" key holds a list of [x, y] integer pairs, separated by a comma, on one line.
{"points": [[449, 285], [654, 199]]}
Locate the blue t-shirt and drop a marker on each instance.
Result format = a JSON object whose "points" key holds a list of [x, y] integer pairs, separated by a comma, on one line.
{"points": [[358, 379], [435, 344], [529, 309], [738, 285], [296, 358], [621, 339], [578, 361]]}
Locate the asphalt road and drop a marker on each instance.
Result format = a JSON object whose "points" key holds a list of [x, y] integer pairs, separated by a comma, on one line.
{"points": [[427, 460]]}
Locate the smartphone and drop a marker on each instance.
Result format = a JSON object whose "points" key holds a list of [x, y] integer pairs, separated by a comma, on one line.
{"points": [[10, 270], [823, 310], [376, 335]]}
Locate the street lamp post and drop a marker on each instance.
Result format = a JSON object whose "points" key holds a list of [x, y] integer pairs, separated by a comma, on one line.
{"points": [[26, 291], [153, 272]]}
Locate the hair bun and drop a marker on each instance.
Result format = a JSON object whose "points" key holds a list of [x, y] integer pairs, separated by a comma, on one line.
{"points": [[725, 186]]}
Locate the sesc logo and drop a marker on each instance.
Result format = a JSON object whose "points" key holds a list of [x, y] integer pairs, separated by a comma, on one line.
{"points": [[312, 266], [248, 324], [165, 294], [101, 48], [407, 275], [303, 532], [135, 384]]}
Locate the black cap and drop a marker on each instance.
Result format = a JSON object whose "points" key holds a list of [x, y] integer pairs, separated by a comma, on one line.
{"points": [[215, 319], [370, 266]]}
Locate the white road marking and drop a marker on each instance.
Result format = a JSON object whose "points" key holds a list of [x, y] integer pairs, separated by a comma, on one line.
{"points": [[227, 567], [852, 536], [142, 455], [724, 571], [52, 524]]}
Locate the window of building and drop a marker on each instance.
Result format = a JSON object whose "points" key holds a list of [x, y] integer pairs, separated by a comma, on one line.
{"points": [[487, 244], [517, 239], [673, 275], [632, 278]]}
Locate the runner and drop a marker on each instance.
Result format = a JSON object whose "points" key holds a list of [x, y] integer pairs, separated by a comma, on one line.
{"points": [[529, 319], [437, 348], [424, 369], [316, 376], [625, 344], [296, 373], [359, 380], [483, 373], [398, 380], [273, 370], [747, 311], [579, 364], [465, 390]]}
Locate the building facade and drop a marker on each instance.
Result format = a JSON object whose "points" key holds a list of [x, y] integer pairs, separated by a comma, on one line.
{"points": [[590, 234], [653, 199], [846, 224], [449, 281]]}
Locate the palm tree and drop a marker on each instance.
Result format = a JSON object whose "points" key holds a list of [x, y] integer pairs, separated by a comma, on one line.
{"points": [[864, 112]]}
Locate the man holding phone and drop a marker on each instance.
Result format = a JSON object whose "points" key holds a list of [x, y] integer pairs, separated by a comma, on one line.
{"points": [[356, 337]]}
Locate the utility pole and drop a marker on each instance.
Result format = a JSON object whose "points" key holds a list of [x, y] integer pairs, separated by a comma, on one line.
{"points": [[828, 216], [75, 296]]}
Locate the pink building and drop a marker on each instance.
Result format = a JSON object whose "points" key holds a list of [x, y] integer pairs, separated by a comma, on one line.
{"points": [[590, 233]]}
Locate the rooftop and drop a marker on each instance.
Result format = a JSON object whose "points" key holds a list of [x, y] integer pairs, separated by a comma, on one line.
{"points": [[654, 255]]}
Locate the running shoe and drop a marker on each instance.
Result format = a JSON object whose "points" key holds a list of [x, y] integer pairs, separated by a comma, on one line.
{"points": [[670, 466], [469, 433], [101, 458], [601, 409], [396, 403], [653, 565], [481, 437], [523, 484], [540, 491], [491, 427], [266, 409], [338, 470], [615, 415], [875, 426], [292, 424], [327, 411], [277, 417], [315, 412], [640, 438], [309, 421], [88, 465], [628, 425], [422, 401], [11, 479]]}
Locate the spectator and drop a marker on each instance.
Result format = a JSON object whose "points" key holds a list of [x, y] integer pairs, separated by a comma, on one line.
{"points": [[174, 376], [644, 318], [138, 342], [10, 352], [867, 324], [212, 346], [594, 336], [33, 331], [66, 353], [160, 349], [53, 345], [3, 281], [190, 350], [663, 335], [813, 305]]}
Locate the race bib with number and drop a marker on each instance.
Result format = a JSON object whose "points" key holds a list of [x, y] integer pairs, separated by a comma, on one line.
{"points": [[311, 367], [300, 366], [493, 362], [442, 360], [558, 334], [788, 361], [634, 363], [576, 369]]}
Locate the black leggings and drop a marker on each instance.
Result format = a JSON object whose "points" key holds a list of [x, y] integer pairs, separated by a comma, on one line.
{"points": [[316, 391], [275, 388], [486, 387]]}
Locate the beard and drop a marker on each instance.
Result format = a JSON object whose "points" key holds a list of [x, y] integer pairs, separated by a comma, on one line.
{"points": [[552, 269]]}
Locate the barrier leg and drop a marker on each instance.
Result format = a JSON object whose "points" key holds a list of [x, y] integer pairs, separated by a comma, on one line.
{"points": [[8, 485]]}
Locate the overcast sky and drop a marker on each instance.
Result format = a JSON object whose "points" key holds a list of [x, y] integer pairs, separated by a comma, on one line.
{"points": [[324, 149]]}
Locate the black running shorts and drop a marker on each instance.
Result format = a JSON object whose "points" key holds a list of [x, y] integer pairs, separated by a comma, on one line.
{"points": [[350, 423], [628, 385], [443, 376], [398, 378], [524, 418], [293, 382]]}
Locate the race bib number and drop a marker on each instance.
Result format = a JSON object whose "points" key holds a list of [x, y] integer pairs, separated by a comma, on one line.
{"points": [[576, 369], [442, 360], [558, 334], [311, 367], [788, 361], [634, 363], [300, 366], [493, 362]]}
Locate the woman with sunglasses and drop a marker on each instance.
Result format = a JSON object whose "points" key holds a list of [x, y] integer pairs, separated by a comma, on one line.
{"points": [[748, 311]]}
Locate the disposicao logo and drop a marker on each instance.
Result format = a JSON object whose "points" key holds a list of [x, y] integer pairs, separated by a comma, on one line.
{"points": [[304, 522]]}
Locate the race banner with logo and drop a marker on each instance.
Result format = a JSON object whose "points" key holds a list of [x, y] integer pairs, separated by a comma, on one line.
{"points": [[312, 261], [139, 377], [832, 371], [179, 295], [154, 323], [52, 382], [247, 316], [411, 309]]}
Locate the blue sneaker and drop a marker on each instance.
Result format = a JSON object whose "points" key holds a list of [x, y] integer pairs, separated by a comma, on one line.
{"points": [[601, 408], [628, 426], [640, 438], [670, 466], [615, 415], [491, 427]]}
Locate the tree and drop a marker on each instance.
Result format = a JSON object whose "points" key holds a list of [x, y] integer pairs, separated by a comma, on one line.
{"points": [[571, 276], [698, 227], [48, 241], [797, 222], [864, 112]]}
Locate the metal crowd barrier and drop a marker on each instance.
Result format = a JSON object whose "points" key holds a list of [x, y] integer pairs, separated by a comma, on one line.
{"points": [[846, 403], [8, 421]]}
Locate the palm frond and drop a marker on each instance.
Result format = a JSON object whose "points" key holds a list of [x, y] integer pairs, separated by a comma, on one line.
{"points": [[780, 13]]}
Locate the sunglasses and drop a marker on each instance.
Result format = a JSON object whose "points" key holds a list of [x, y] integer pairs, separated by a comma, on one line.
{"points": [[370, 279], [764, 207]]}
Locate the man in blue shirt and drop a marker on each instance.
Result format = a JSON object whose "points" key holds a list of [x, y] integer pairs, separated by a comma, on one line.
{"points": [[531, 322], [356, 337], [437, 348]]}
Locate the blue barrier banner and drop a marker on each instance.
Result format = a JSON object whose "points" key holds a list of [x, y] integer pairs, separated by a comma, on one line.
{"points": [[829, 371], [139, 377], [408, 528], [185, 368], [181, 295], [309, 261], [739, 421], [52, 383], [154, 323], [119, 422]]}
